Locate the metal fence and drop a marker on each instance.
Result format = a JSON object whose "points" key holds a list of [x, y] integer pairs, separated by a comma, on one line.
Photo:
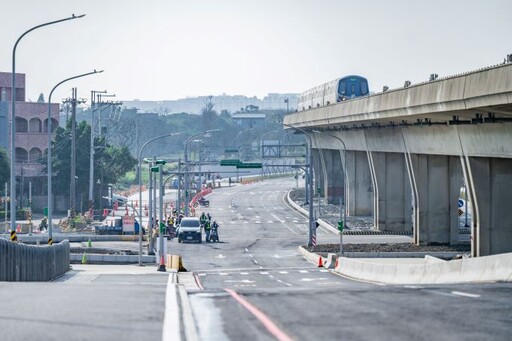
{"points": [[23, 263]]}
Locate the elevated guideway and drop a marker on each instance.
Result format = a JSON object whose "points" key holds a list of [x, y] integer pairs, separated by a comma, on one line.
{"points": [[409, 151]]}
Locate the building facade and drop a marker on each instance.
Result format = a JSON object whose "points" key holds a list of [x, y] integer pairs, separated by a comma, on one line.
{"points": [[31, 141]]}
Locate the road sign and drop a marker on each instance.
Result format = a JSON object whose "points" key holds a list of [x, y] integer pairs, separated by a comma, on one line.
{"points": [[230, 162], [128, 223], [249, 165], [460, 203]]}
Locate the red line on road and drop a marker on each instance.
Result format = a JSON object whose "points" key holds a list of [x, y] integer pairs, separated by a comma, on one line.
{"points": [[198, 282], [267, 323]]}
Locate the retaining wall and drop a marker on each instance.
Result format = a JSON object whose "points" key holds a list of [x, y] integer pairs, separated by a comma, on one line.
{"points": [[24, 263]]}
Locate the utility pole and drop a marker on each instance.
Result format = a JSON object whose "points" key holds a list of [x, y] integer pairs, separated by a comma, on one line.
{"points": [[94, 106], [72, 192]]}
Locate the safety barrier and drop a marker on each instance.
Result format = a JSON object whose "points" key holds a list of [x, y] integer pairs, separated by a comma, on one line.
{"points": [[24, 263]]}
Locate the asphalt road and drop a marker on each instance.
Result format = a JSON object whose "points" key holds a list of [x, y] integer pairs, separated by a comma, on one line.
{"points": [[254, 285]]}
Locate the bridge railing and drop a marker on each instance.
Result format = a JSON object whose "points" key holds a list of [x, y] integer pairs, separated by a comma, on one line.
{"points": [[23, 263]]}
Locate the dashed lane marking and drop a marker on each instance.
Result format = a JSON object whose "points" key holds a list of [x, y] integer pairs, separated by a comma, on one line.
{"points": [[465, 294]]}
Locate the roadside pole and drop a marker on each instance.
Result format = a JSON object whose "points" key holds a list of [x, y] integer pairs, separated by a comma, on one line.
{"points": [[161, 227]]}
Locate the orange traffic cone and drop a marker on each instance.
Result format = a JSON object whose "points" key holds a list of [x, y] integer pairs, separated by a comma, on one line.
{"points": [[18, 228], [161, 267], [320, 262]]}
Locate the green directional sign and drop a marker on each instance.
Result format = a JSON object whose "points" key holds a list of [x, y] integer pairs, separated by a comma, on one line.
{"points": [[250, 165], [230, 162], [340, 225], [155, 169]]}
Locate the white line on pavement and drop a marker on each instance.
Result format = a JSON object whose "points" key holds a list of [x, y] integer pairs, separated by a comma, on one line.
{"points": [[171, 328], [465, 294]]}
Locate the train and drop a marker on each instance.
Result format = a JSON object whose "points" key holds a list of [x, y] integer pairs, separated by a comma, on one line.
{"points": [[333, 92]]}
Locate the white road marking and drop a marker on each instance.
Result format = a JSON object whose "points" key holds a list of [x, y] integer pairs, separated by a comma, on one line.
{"points": [[244, 273], [465, 294], [223, 274], [220, 256], [246, 250], [413, 287], [313, 279], [264, 272], [303, 271], [323, 270], [237, 281], [171, 329], [283, 272], [257, 222], [201, 275]]}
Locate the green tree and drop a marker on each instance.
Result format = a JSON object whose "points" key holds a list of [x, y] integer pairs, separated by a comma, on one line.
{"points": [[109, 161], [4, 167]]}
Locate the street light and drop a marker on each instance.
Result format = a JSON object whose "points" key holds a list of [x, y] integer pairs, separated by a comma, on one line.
{"points": [[140, 189], [49, 162], [13, 114], [186, 184], [91, 151], [309, 190], [343, 210]]}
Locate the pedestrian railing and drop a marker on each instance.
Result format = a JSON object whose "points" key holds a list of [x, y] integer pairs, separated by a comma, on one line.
{"points": [[23, 263]]}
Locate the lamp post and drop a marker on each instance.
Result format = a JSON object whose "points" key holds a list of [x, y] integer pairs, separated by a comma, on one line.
{"points": [[49, 162], [343, 210], [13, 113], [309, 190], [140, 188], [186, 182]]}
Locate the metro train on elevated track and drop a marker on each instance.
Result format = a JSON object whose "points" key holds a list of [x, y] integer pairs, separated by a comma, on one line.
{"points": [[338, 90]]}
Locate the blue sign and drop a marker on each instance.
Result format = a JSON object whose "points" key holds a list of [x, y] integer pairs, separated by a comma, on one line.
{"points": [[460, 203]]}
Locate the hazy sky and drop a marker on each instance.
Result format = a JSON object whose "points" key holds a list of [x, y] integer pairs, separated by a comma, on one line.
{"points": [[169, 49]]}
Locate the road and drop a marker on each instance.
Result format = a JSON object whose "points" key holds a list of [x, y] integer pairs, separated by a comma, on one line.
{"points": [[258, 259], [252, 285]]}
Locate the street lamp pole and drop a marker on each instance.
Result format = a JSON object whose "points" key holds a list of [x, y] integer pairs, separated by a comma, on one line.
{"points": [[309, 190], [140, 188], [13, 115], [186, 182], [343, 210], [49, 161]]}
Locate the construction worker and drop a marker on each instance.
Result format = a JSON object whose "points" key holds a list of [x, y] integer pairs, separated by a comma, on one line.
{"points": [[207, 229], [203, 218]]}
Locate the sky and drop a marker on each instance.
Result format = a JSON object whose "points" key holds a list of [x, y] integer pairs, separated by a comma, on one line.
{"points": [[171, 49]]}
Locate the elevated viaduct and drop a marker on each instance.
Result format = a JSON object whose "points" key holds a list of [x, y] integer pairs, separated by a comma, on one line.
{"points": [[409, 151]]}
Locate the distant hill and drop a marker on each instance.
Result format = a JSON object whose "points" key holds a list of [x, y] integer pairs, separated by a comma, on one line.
{"points": [[194, 105]]}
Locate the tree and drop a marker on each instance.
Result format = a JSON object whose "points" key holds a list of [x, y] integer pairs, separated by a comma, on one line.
{"points": [[112, 162], [4, 166], [209, 115]]}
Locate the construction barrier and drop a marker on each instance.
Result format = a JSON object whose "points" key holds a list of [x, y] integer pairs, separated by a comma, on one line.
{"points": [[23, 263]]}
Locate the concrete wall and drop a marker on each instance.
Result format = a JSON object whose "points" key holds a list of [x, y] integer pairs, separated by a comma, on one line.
{"points": [[492, 183]]}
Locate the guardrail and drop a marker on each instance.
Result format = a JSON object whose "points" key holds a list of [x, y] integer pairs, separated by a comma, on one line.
{"points": [[24, 263]]}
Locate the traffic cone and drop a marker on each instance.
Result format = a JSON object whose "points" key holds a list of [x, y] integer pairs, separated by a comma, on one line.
{"points": [[89, 244], [320, 262], [18, 228], [84, 258], [161, 267]]}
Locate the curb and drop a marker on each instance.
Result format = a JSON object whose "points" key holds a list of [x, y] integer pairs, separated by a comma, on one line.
{"points": [[433, 271], [42, 239], [75, 258], [346, 232]]}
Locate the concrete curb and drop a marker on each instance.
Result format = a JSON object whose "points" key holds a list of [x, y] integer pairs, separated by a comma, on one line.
{"points": [[110, 259], [306, 214], [432, 271], [346, 232], [43, 238]]}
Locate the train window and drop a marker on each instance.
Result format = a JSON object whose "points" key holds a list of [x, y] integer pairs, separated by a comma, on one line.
{"points": [[342, 89], [353, 88], [364, 87]]}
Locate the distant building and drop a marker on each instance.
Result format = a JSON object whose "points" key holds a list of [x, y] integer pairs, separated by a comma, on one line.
{"points": [[195, 105], [31, 129], [249, 120]]}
